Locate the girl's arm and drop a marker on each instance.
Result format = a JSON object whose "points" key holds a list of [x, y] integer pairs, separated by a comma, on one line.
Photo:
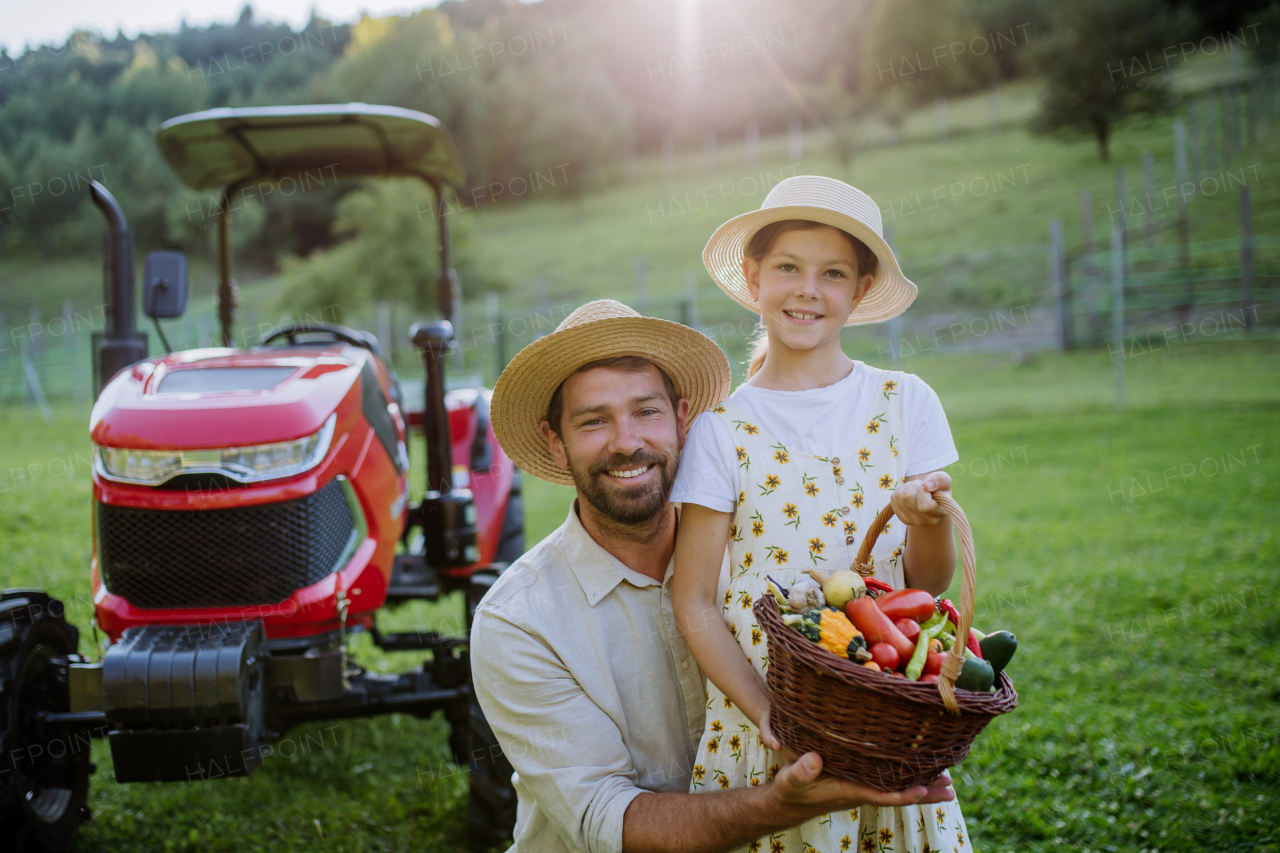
{"points": [[929, 560], [700, 545]]}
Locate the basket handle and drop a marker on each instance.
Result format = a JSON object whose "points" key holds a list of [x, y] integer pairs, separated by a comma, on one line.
{"points": [[968, 588]]}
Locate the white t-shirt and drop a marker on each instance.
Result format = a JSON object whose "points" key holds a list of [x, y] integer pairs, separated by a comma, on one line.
{"points": [[814, 422]]}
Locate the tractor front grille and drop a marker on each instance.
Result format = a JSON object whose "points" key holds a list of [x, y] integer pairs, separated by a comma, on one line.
{"points": [[223, 557]]}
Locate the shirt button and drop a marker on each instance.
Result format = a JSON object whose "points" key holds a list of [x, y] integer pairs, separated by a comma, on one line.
{"points": [[684, 665], [839, 481], [844, 510], [835, 460], [848, 540]]}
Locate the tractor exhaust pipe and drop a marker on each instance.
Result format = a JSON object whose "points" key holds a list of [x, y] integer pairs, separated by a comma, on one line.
{"points": [[120, 344]]}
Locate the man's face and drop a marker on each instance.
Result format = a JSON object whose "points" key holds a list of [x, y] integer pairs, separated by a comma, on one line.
{"points": [[620, 439]]}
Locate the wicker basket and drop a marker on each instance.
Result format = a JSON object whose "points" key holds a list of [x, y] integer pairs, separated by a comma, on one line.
{"points": [[885, 732]]}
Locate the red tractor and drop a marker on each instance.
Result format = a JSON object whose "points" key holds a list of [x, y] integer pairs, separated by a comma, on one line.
{"points": [[251, 509]]}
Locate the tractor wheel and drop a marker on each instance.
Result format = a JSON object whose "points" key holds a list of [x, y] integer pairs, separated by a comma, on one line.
{"points": [[511, 541], [44, 773], [491, 802]]}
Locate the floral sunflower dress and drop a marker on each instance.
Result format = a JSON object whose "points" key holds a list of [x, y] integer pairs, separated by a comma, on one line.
{"points": [[796, 512]]}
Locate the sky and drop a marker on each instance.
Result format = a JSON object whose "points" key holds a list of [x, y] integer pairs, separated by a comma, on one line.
{"points": [[25, 22]]}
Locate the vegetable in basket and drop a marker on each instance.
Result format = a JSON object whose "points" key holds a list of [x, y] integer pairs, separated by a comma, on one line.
{"points": [[928, 631], [914, 604], [839, 588], [829, 628], [876, 626], [971, 643], [997, 650], [805, 595]]}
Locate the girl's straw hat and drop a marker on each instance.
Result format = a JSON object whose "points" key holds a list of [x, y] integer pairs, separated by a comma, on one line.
{"points": [[830, 202], [601, 329]]}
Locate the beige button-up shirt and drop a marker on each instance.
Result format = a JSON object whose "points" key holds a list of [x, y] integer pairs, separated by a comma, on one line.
{"points": [[591, 691]]}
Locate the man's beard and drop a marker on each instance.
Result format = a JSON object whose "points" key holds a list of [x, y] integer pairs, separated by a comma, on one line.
{"points": [[627, 505]]}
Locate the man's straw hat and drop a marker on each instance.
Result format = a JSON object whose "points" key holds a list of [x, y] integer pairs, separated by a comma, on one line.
{"points": [[830, 202], [600, 329]]}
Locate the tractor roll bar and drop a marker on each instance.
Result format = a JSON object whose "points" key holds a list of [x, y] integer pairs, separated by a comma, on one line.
{"points": [[446, 281]]}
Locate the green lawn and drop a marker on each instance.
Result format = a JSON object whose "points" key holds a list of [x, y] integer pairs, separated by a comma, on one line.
{"points": [[1132, 551]]}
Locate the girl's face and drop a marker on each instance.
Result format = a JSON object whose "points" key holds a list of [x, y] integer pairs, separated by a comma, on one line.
{"points": [[806, 286]]}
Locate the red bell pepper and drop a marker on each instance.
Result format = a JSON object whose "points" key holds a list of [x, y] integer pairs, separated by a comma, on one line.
{"points": [[971, 642], [914, 604]]}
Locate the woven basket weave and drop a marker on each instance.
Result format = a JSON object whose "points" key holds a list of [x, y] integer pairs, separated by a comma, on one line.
{"points": [[870, 727]]}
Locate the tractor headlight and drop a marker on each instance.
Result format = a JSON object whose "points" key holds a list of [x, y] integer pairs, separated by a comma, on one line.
{"points": [[243, 464]]}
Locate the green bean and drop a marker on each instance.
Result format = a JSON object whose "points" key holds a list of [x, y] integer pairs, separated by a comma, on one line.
{"points": [[927, 632]]}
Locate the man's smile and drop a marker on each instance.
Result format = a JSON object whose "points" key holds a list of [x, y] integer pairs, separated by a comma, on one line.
{"points": [[629, 473]]}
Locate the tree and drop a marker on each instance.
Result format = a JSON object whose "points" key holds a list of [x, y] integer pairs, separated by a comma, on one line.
{"points": [[1101, 64]]}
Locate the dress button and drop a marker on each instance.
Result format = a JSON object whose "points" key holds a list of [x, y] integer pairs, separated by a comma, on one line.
{"points": [[684, 665], [835, 460], [844, 510], [839, 481], [848, 540]]}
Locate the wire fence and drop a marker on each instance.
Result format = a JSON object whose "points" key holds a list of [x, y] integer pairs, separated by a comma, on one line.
{"points": [[1134, 273]]}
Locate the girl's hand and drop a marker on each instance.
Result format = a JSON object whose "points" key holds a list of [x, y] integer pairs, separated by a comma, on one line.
{"points": [[913, 501], [771, 741]]}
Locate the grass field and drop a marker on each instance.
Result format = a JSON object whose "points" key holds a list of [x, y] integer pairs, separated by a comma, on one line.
{"points": [[1133, 552]]}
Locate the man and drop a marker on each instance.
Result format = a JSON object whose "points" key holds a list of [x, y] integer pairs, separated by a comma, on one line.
{"points": [[578, 665]]}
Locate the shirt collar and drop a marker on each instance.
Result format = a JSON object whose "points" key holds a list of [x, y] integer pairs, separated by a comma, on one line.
{"points": [[597, 571]]}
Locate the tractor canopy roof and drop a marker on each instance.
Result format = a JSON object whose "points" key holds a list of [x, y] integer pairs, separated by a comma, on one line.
{"points": [[225, 146]]}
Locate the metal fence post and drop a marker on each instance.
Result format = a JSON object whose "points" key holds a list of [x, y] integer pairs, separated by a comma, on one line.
{"points": [[692, 320], [1246, 255], [1197, 142], [1090, 270], [1184, 249], [1059, 281], [893, 328], [493, 315], [1117, 308], [1149, 190], [642, 297], [1122, 192], [1210, 132]]}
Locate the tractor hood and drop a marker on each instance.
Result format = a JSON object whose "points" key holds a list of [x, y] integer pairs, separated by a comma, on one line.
{"points": [[218, 397]]}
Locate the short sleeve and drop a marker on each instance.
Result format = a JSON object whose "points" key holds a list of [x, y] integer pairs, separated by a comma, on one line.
{"points": [[929, 442], [708, 474], [527, 694]]}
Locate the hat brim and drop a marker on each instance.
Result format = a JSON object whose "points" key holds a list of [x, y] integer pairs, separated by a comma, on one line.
{"points": [[697, 367], [890, 293]]}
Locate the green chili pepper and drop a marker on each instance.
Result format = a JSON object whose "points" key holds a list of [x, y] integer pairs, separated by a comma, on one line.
{"points": [[927, 632]]}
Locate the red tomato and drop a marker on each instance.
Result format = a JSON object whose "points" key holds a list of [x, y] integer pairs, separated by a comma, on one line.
{"points": [[914, 604], [931, 678], [885, 655], [933, 663], [910, 629]]}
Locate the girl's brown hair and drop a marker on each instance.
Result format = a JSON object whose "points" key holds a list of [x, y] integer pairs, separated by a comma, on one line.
{"points": [[761, 243]]}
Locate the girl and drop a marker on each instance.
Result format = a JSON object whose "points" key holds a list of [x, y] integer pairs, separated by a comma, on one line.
{"points": [[790, 468]]}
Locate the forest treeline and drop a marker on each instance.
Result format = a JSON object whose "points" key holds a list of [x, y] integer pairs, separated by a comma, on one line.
{"points": [[570, 87]]}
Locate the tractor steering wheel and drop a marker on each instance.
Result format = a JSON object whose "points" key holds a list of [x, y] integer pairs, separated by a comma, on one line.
{"points": [[339, 333]]}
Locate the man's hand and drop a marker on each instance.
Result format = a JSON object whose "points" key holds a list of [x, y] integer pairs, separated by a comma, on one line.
{"points": [[913, 501], [804, 789]]}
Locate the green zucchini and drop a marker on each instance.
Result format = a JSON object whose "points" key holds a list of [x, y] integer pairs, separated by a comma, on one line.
{"points": [[976, 675], [998, 649]]}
